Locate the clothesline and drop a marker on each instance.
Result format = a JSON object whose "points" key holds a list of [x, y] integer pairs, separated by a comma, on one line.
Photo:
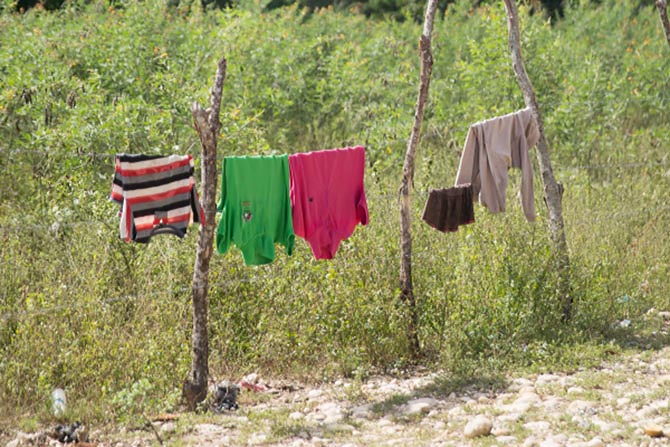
{"points": [[57, 225], [595, 166]]}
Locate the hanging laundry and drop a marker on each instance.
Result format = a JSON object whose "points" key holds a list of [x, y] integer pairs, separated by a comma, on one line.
{"points": [[157, 195], [328, 197], [447, 209], [491, 148], [255, 207]]}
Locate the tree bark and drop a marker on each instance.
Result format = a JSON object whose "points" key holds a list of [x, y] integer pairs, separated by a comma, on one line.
{"points": [[406, 288], [207, 125], [662, 6], [553, 192]]}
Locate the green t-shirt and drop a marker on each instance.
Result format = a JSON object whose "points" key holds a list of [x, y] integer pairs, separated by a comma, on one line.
{"points": [[255, 207]]}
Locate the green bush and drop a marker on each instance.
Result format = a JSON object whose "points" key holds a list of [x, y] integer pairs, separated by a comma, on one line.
{"points": [[110, 321]]}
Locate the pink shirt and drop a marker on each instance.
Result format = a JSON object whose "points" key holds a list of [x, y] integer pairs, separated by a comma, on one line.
{"points": [[327, 197]]}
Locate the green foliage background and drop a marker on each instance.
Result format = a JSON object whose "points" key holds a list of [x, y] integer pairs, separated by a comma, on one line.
{"points": [[94, 79]]}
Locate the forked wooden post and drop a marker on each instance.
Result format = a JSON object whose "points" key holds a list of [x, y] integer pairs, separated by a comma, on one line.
{"points": [[662, 6], [553, 192], [406, 288], [207, 125]]}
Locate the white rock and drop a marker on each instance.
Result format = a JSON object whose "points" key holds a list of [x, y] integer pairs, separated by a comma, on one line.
{"points": [[544, 379], [168, 427], [257, 438], [362, 412], [208, 429], [439, 425], [14, 443], [251, 378], [595, 442], [660, 404], [506, 439], [478, 426], [550, 443], [575, 390], [581, 421], [665, 315], [537, 426], [296, 415], [314, 394], [530, 442], [510, 417], [527, 397], [419, 406], [500, 431], [622, 401], [645, 412], [581, 406], [517, 407]]}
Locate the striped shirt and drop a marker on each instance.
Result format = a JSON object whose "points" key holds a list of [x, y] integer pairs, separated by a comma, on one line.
{"points": [[157, 195]]}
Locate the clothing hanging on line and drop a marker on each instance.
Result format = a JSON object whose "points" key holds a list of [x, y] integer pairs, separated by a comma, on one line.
{"points": [[447, 209], [328, 197], [157, 195], [491, 148], [255, 207]]}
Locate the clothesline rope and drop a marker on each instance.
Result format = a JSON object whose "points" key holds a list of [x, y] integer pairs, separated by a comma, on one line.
{"points": [[595, 166], [57, 225]]}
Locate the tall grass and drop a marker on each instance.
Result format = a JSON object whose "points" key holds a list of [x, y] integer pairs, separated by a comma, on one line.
{"points": [[110, 321]]}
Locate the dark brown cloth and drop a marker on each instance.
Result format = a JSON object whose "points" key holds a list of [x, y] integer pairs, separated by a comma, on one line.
{"points": [[446, 209]]}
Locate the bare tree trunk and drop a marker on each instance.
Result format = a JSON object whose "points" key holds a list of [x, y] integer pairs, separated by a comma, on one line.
{"points": [[662, 6], [553, 192], [406, 288], [207, 125]]}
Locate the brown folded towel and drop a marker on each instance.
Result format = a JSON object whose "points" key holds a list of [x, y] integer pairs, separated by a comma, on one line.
{"points": [[446, 209]]}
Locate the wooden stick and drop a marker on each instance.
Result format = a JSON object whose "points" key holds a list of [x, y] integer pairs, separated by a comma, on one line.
{"points": [[553, 192], [207, 125], [406, 288], [662, 6]]}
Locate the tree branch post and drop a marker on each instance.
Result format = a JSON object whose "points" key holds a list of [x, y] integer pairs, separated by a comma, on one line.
{"points": [[207, 125], [553, 192], [662, 6], [406, 288]]}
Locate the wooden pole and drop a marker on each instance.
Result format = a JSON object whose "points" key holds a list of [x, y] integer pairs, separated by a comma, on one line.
{"points": [[662, 6], [207, 125], [406, 288], [553, 192]]}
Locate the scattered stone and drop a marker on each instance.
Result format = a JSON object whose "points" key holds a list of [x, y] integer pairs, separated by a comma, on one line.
{"points": [[478, 426], [653, 431], [168, 427], [665, 315], [362, 412], [419, 406], [258, 438], [500, 431], [622, 401], [506, 439], [296, 415], [582, 407], [527, 397], [327, 413], [537, 426], [575, 390], [439, 425], [549, 443], [595, 442], [314, 394]]}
